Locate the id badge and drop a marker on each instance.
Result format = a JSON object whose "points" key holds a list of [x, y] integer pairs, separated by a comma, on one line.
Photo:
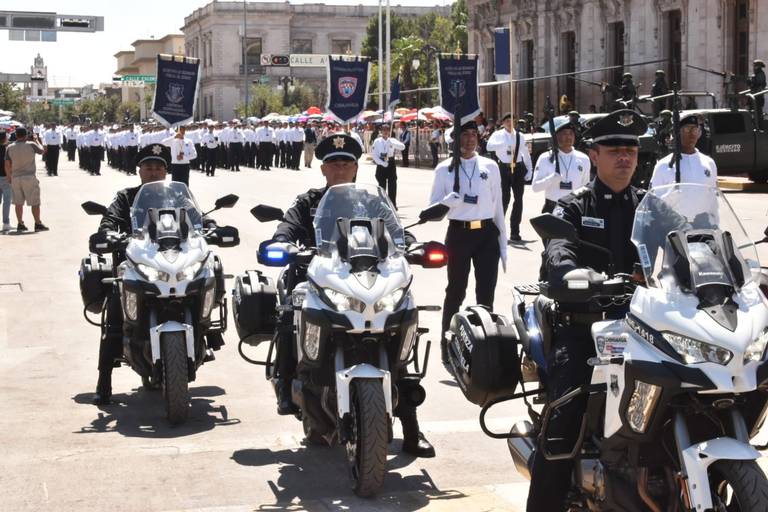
{"points": [[470, 199], [566, 185]]}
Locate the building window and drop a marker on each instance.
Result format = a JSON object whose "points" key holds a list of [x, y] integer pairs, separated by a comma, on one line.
{"points": [[568, 63], [341, 46], [528, 66], [301, 46], [741, 39], [616, 50], [675, 46]]}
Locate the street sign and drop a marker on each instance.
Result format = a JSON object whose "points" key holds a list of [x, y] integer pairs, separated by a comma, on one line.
{"points": [[133, 83], [280, 60], [150, 79], [308, 60], [63, 101], [265, 59]]}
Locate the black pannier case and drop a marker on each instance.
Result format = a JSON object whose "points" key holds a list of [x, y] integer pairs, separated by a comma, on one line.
{"points": [[483, 354], [93, 269], [254, 300]]}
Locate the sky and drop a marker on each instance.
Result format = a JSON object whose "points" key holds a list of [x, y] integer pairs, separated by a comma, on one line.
{"points": [[77, 59]]}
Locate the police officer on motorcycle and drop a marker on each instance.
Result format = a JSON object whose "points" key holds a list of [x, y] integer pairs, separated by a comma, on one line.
{"points": [[602, 213], [339, 154]]}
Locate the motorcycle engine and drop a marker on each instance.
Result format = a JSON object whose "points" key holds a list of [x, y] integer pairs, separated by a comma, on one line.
{"points": [[590, 476]]}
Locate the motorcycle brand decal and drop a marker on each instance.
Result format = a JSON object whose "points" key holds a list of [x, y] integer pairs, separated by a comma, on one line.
{"points": [[645, 259], [728, 148], [611, 345], [593, 222], [615, 385]]}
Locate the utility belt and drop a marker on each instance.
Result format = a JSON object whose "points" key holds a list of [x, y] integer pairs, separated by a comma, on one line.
{"points": [[471, 224]]}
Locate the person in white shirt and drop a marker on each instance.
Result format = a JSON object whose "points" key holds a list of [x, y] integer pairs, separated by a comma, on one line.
{"points": [[434, 142], [235, 141], [570, 172], [70, 136], [131, 141], [383, 153], [209, 144], [515, 166], [476, 230], [52, 141], [695, 167], [182, 152], [95, 144], [264, 136]]}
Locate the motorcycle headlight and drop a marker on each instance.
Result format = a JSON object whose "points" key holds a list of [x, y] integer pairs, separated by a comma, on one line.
{"points": [[389, 302], [756, 350], [343, 302], [311, 343], [189, 272], [641, 405], [131, 305], [409, 338], [151, 274], [208, 301], [694, 351]]}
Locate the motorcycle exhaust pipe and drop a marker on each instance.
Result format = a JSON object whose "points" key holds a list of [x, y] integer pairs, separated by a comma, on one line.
{"points": [[522, 448]]}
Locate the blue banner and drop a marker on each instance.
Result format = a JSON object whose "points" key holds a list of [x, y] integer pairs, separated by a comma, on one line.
{"points": [[176, 90], [394, 93], [457, 80], [502, 50], [348, 79]]}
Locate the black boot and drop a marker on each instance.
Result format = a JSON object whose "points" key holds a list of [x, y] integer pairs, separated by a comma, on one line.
{"points": [[444, 352], [285, 405], [414, 441], [103, 394]]}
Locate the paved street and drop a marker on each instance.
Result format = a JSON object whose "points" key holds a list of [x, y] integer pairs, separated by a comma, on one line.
{"points": [[62, 453]]}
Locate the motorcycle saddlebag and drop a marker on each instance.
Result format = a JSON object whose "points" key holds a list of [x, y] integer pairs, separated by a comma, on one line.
{"points": [[93, 269], [254, 306], [483, 354]]}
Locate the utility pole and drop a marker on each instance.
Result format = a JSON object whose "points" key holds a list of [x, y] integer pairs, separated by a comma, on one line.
{"points": [[389, 56], [245, 57], [381, 61]]}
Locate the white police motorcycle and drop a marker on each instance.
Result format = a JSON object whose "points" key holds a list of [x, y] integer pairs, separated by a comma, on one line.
{"points": [[355, 322], [169, 284], [679, 384]]}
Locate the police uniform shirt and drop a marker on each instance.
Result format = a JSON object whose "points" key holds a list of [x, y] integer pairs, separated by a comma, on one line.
{"points": [[209, 140], [503, 144], [96, 139], [384, 149], [70, 134], [236, 136], [694, 168], [249, 135], [574, 174], [131, 139], [297, 134], [479, 195], [297, 225], [183, 147], [52, 138]]}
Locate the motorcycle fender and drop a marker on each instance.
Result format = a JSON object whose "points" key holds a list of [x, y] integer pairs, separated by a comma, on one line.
{"points": [[697, 459], [361, 371], [154, 338]]}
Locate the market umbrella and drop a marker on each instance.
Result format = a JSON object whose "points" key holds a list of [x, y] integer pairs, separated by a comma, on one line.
{"points": [[314, 111]]}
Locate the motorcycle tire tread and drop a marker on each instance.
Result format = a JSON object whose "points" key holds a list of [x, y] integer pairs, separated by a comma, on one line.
{"points": [[748, 482], [374, 433], [175, 383]]}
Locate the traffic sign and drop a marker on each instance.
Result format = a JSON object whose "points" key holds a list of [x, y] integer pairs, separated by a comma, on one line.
{"points": [[281, 60], [63, 101], [150, 79], [308, 60], [265, 59]]}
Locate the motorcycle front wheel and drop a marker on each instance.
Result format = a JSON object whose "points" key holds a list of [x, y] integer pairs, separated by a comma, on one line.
{"points": [[367, 449], [738, 486], [173, 347]]}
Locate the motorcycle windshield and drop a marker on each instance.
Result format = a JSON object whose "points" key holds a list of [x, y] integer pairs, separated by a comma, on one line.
{"points": [[719, 252], [162, 195], [362, 206]]}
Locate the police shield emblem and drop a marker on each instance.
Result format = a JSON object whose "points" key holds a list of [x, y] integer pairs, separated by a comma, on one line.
{"points": [[347, 86], [458, 88], [175, 93], [626, 120]]}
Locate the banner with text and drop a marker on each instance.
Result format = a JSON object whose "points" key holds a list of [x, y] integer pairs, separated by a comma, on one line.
{"points": [[348, 79], [176, 90], [458, 84]]}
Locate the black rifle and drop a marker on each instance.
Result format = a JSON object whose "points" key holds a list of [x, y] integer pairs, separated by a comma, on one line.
{"points": [[549, 109], [677, 150], [456, 161], [712, 71]]}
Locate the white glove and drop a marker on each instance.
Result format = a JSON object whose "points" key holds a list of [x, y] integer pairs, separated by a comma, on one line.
{"points": [[452, 199]]}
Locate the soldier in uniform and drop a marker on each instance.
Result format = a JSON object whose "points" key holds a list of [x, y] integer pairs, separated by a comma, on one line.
{"points": [[339, 154], [659, 88], [757, 84], [695, 167], [603, 214], [628, 90]]}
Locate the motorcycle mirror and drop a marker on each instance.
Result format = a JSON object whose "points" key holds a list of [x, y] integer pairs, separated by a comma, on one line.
{"points": [[92, 208], [548, 226], [435, 212], [766, 233], [227, 201], [264, 213]]}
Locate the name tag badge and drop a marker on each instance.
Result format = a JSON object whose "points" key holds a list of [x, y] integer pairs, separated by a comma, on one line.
{"points": [[470, 199], [566, 185], [593, 222]]}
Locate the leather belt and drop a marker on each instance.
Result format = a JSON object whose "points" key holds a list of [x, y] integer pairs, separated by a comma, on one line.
{"points": [[471, 224]]}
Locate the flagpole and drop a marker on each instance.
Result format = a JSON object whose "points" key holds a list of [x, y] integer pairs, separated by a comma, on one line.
{"points": [[511, 81], [381, 61], [389, 53]]}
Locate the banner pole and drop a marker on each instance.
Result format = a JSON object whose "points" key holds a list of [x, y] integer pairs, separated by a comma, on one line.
{"points": [[511, 81]]}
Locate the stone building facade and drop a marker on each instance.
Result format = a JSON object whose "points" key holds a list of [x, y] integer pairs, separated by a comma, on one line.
{"points": [[557, 36], [214, 34]]}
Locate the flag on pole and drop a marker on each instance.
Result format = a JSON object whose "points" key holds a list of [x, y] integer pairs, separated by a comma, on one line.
{"points": [[176, 90], [348, 79], [501, 53], [394, 94], [458, 84]]}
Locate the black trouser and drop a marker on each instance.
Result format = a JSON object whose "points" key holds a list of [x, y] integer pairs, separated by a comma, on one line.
{"points": [[296, 148], [210, 161], [180, 173], [518, 187], [265, 155], [52, 160], [130, 159], [759, 104], [568, 369], [387, 179], [221, 156], [506, 184], [111, 342], [71, 147], [405, 155], [480, 248], [235, 154], [433, 147], [250, 149], [95, 156], [281, 156]]}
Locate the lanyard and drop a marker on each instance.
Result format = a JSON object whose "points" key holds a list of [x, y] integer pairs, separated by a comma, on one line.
{"points": [[469, 178], [568, 165]]}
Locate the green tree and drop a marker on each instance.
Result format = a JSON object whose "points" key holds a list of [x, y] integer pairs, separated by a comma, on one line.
{"points": [[265, 99], [11, 98], [459, 18]]}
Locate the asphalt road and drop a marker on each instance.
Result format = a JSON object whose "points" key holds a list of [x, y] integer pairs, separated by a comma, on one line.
{"points": [[235, 453]]}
